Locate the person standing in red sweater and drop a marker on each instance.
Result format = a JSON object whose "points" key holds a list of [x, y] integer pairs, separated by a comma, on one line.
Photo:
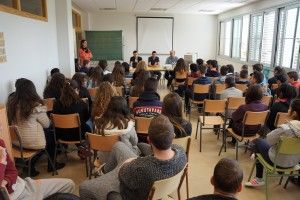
{"points": [[84, 52], [28, 188]]}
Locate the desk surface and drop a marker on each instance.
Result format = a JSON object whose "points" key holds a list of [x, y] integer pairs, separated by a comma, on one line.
{"points": [[156, 68]]}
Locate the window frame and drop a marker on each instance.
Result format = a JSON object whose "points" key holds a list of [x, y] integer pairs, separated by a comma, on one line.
{"points": [[275, 36], [231, 36], [241, 32], [17, 10]]}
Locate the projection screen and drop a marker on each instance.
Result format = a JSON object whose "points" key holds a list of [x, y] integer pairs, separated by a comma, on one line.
{"points": [[155, 34]]}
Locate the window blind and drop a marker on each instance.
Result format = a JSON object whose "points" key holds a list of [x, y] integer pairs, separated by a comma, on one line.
{"points": [[236, 43], [255, 37], [267, 38], [245, 35]]}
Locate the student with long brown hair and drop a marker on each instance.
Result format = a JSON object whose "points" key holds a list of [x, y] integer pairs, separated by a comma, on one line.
{"points": [[172, 108], [96, 77], [70, 103], [81, 80], [54, 87], [103, 95], [119, 75], [25, 109]]}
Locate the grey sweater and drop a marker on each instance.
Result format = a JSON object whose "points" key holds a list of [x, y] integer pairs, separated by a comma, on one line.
{"points": [[137, 177], [290, 129]]}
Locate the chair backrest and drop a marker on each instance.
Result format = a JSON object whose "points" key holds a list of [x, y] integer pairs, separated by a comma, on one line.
{"points": [[162, 188], [267, 100], [242, 87], [102, 143], [289, 146], [131, 101], [184, 142], [255, 118], [66, 121], [201, 89], [92, 92], [214, 106], [49, 103], [190, 81], [281, 118], [234, 102], [142, 124], [179, 75], [220, 88]]}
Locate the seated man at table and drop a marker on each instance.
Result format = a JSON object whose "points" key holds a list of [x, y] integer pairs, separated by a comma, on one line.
{"points": [[227, 181], [148, 103], [154, 61], [171, 60], [135, 58], [133, 176], [19, 189]]}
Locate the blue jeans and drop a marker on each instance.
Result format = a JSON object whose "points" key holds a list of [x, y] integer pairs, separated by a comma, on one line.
{"points": [[262, 147]]}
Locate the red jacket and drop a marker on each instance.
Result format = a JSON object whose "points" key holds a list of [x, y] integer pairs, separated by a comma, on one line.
{"points": [[296, 84], [8, 172], [83, 55]]}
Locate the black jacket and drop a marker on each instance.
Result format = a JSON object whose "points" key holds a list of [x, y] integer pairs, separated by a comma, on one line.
{"points": [[82, 109], [147, 105], [276, 107]]}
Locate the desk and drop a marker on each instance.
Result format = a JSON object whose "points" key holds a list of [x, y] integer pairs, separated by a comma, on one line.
{"points": [[156, 68]]}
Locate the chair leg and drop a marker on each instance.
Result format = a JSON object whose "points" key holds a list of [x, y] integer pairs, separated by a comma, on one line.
{"points": [[51, 163], [187, 185], [197, 129], [281, 178], [236, 150], [287, 180], [200, 136], [252, 169], [86, 167], [266, 181], [29, 167]]}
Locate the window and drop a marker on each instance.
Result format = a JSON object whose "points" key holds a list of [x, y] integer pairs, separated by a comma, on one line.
{"points": [[36, 9], [245, 35], [225, 38], [267, 38], [255, 37], [288, 38], [236, 41]]}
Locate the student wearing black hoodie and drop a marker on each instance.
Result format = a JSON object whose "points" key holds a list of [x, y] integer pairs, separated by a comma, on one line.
{"points": [[148, 103]]}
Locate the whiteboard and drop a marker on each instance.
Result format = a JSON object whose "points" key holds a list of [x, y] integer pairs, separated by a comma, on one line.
{"points": [[155, 34]]}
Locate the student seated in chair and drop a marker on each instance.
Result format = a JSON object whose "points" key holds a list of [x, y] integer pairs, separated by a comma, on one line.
{"points": [[257, 79], [227, 181], [21, 189], [148, 103], [230, 90], [268, 147], [133, 176], [293, 79], [254, 104], [203, 80], [243, 78], [213, 72], [135, 58]]}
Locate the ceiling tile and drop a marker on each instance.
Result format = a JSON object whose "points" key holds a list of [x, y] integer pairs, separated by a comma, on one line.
{"points": [[144, 5], [166, 4], [125, 5], [105, 3]]}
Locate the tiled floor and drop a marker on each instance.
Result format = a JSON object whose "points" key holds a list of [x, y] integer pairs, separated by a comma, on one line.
{"points": [[200, 170]]}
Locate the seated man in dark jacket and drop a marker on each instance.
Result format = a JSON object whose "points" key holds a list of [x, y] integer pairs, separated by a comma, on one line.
{"points": [[227, 181], [203, 80], [133, 176], [148, 103]]}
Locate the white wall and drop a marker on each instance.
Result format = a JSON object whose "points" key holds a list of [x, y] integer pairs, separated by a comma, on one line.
{"points": [[248, 9], [31, 49], [192, 33]]}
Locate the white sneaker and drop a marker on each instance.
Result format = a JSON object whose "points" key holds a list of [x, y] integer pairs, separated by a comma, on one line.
{"points": [[255, 182]]}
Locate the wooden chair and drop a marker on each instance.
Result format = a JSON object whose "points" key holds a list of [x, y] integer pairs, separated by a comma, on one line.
{"points": [[92, 92], [267, 100], [281, 118], [142, 125], [179, 76], [131, 101], [190, 81], [198, 89], [25, 155], [185, 142], [163, 188], [220, 88], [211, 106], [242, 87], [286, 146], [250, 118], [100, 143], [49, 104], [68, 121]]}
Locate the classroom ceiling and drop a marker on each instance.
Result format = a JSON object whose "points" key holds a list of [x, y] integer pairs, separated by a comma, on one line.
{"points": [[161, 6]]}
